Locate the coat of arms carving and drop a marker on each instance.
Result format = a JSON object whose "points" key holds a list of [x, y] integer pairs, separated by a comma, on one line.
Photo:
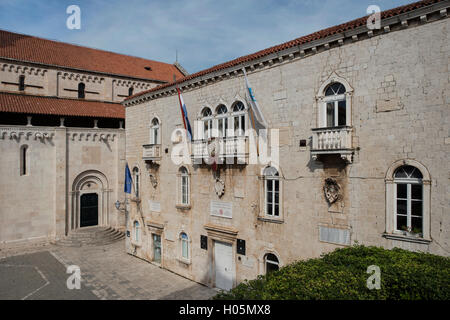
{"points": [[219, 187], [331, 190]]}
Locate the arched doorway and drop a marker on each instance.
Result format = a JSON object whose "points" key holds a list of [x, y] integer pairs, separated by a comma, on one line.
{"points": [[90, 200], [89, 210]]}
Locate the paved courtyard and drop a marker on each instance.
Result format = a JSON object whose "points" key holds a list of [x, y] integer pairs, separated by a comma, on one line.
{"points": [[107, 272]]}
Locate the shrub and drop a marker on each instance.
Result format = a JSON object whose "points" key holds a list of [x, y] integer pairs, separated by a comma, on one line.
{"points": [[342, 274]]}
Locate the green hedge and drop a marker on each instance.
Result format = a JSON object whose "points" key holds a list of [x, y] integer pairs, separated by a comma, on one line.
{"points": [[342, 274]]}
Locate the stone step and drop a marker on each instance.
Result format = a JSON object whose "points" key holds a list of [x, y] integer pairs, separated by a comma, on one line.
{"points": [[91, 236]]}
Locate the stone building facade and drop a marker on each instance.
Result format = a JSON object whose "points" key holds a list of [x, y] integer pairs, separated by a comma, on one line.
{"points": [[62, 138], [363, 124]]}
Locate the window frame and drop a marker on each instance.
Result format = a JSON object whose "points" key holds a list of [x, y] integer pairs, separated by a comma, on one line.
{"points": [[24, 162], [81, 90], [21, 83], [266, 261], [408, 182], [207, 121], [391, 198], [183, 177], [184, 241], [136, 181], [272, 179], [241, 115], [223, 119], [322, 100], [155, 127], [137, 232]]}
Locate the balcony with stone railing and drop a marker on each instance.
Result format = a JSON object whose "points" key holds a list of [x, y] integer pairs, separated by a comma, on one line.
{"points": [[151, 152], [230, 150], [335, 140]]}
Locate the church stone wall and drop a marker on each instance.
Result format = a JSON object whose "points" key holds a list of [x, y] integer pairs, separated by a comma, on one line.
{"points": [[41, 205]]}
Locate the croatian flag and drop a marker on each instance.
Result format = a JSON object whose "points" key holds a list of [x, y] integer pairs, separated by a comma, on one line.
{"points": [[187, 125]]}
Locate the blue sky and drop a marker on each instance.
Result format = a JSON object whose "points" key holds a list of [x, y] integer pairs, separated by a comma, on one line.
{"points": [[204, 32]]}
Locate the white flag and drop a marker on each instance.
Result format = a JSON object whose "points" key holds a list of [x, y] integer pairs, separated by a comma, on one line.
{"points": [[261, 121]]}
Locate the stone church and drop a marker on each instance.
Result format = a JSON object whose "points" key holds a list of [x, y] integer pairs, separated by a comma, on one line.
{"points": [[362, 121], [62, 136]]}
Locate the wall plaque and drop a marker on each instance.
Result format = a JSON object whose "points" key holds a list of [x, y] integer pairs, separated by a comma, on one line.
{"points": [[221, 209], [334, 235], [154, 206]]}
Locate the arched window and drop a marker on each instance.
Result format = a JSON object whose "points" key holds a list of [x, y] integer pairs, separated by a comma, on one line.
{"points": [[184, 239], [408, 200], [21, 83], [81, 90], [271, 262], [207, 120], [23, 160], [137, 231], [184, 186], [335, 101], [154, 132], [272, 192], [136, 181], [238, 119], [130, 91], [222, 121]]}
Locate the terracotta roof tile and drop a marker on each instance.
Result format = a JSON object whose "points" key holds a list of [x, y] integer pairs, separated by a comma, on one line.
{"points": [[28, 48], [302, 40], [20, 103]]}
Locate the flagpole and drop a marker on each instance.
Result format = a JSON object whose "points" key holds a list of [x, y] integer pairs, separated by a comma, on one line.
{"points": [[251, 117]]}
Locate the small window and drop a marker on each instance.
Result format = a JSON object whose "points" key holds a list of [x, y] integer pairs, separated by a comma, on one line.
{"points": [[335, 105], [130, 91], [136, 181], [137, 231], [21, 83], [155, 132], [24, 160], [272, 263], [272, 192], [184, 186], [184, 246], [81, 90], [239, 119], [207, 123], [222, 121]]}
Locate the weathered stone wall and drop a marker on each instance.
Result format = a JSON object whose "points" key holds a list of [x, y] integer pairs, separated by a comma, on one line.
{"points": [[62, 164], [400, 110], [63, 83]]}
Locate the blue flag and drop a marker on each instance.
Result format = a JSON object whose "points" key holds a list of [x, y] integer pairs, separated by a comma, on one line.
{"points": [[128, 180]]}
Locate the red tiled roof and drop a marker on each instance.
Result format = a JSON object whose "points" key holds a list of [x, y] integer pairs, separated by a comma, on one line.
{"points": [[28, 48], [299, 41], [21, 103]]}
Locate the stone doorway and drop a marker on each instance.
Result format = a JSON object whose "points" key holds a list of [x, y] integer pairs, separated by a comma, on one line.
{"points": [[88, 210]]}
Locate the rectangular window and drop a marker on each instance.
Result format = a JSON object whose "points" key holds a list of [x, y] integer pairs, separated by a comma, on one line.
{"points": [[21, 83], [184, 190], [272, 198]]}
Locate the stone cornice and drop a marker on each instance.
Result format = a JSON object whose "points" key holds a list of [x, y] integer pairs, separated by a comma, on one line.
{"points": [[399, 22]]}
